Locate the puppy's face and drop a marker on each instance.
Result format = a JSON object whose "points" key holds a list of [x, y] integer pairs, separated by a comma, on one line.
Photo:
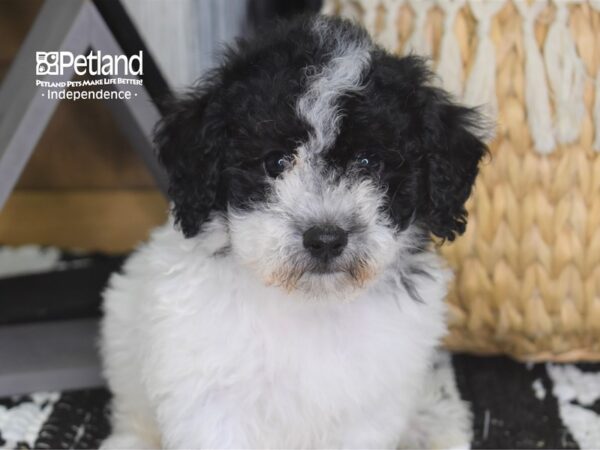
{"points": [[329, 158]]}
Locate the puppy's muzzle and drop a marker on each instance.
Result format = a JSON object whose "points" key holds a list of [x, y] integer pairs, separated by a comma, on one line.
{"points": [[325, 242]]}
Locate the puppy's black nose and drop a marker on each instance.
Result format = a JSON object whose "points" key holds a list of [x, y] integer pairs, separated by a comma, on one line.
{"points": [[325, 241]]}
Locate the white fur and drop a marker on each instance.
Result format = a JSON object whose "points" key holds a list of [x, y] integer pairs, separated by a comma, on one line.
{"points": [[199, 352], [343, 74]]}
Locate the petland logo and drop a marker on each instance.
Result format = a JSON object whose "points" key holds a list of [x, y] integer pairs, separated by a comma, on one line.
{"points": [[94, 63]]}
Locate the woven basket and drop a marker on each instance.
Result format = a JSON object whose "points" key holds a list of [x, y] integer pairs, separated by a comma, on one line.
{"points": [[528, 267]]}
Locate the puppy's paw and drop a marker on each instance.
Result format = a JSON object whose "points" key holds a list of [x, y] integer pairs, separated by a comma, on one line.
{"points": [[442, 419]]}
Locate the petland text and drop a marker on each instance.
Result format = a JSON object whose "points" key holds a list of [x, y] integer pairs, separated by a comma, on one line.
{"points": [[94, 63]]}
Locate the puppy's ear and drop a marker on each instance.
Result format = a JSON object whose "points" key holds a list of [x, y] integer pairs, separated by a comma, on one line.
{"points": [[454, 143], [189, 143], [447, 137]]}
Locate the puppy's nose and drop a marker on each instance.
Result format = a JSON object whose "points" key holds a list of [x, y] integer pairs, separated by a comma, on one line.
{"points": [[325, 241]]}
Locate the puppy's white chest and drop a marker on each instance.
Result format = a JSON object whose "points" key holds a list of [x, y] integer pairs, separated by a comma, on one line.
{"points": [[278, 372]]}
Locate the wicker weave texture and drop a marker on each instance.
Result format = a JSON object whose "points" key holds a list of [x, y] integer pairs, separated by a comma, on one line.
{"points": [[527, 270]]}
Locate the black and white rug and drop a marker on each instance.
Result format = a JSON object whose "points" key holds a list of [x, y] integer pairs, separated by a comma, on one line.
{"points": [[539, 406], [514, 405]]}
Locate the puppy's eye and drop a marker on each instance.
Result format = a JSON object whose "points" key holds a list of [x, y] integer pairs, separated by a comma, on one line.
{"points": [[275, 163], [369, 162]]}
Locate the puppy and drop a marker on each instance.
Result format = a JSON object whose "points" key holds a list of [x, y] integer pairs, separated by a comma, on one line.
{"points": [[293, 300]]}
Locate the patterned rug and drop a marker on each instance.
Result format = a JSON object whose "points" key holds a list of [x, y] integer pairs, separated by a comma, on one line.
{"points": [[539, 406], [514, 405]]}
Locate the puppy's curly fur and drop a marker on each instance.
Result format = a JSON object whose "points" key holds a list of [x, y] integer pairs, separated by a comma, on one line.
{"points": [[228, 329]]}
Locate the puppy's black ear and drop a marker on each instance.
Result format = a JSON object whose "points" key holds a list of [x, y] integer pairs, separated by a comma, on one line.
{"points": [[453, 141], [189, 142], [446, 137]]}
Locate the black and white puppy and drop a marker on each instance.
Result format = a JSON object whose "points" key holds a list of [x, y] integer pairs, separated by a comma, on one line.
{"points": [[294, 301]]}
